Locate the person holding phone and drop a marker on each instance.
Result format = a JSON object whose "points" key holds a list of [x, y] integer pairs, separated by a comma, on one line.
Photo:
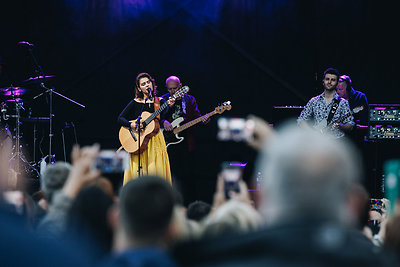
{"points": [[306, 204], [230, 185], [232, 173], [154, 159]]}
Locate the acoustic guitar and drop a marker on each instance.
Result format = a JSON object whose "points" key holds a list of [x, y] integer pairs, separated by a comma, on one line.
{"points": [[129, 137], [171, 137]]}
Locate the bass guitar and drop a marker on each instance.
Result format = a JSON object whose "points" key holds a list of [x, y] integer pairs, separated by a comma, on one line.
{"points": [[129, 138], [324, 127], [172, 138]]}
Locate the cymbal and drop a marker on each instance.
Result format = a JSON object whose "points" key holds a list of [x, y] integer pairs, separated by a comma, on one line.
{"points": [[14, 100], [16, 91], [38, 79]]}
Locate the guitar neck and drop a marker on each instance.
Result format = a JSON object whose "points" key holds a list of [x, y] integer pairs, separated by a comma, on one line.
{"points": [[343, 118], [156, 113], [193, 122]]}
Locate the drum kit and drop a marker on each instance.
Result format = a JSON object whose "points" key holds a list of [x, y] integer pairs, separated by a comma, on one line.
{"points": [[12, 105]]}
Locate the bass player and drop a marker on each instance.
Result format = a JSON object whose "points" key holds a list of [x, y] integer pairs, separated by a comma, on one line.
{"points": [[182, 154]]}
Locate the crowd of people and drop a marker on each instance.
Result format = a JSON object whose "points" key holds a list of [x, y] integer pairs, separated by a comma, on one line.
{"points": [[311, 209]]}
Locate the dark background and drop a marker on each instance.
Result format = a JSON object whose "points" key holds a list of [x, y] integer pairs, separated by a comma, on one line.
{"points": [[255, 53]]}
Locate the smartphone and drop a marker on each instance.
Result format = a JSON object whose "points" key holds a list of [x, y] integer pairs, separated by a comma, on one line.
{"points": [[392, 179], [110, 161], [232, 172], [235, 129]]}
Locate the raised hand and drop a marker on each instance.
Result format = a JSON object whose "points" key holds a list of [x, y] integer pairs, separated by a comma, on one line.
{"points": [[81, 171]]}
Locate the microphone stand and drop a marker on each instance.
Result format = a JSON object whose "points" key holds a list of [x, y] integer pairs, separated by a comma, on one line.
{"points": [[139, 129]]}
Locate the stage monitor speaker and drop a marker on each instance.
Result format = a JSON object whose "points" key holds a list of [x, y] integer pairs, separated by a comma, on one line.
{"points": [[384, 113], [387, 132]]}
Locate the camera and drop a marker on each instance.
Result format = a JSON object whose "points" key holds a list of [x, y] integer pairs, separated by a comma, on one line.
{"points": [[235, 129], [110, 161]]}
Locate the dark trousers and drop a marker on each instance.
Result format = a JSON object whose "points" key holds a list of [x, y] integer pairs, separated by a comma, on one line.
{"points": [[181, 161]]}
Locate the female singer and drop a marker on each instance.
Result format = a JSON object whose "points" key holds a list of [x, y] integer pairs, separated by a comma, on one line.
{"points": [[154, 159]]}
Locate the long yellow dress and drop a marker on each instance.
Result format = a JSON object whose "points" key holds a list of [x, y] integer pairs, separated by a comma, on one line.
{"points": [[154, 160]]}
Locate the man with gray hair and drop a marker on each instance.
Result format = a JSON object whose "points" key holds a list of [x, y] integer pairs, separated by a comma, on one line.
{"points": [[53, 179], [52, 183], [307, 206], [307, 175], [71, 180]]}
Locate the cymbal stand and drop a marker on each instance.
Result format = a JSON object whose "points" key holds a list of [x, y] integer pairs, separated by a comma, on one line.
{"points": [[50, 91], [18, 156], [51, 115]]}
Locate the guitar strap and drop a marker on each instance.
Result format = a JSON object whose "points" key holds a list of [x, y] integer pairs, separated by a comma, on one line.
{"points": [[336, 102], [157, 106]]}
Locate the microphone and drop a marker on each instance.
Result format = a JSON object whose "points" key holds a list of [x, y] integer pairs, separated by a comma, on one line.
{"points": [[150, 93], [26, 44]]}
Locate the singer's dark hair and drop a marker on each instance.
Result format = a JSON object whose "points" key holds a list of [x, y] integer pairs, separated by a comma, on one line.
{"points": [[138, 93]]}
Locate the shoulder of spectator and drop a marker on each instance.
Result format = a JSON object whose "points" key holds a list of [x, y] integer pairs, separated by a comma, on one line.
{"points": [[61, 200], [60, 206], [53, 223]]}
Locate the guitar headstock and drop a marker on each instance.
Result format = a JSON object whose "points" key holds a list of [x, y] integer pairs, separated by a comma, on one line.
{"points": [[225, 106], [181, 92], [358, 109]]}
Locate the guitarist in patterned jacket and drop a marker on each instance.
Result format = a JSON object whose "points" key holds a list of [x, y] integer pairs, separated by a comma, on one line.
{"points": [[327, 108], [181, 155]]}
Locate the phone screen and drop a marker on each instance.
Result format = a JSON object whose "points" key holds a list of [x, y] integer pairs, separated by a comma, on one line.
{"points": [[109, 161], [232, 173], [235, 129]]}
